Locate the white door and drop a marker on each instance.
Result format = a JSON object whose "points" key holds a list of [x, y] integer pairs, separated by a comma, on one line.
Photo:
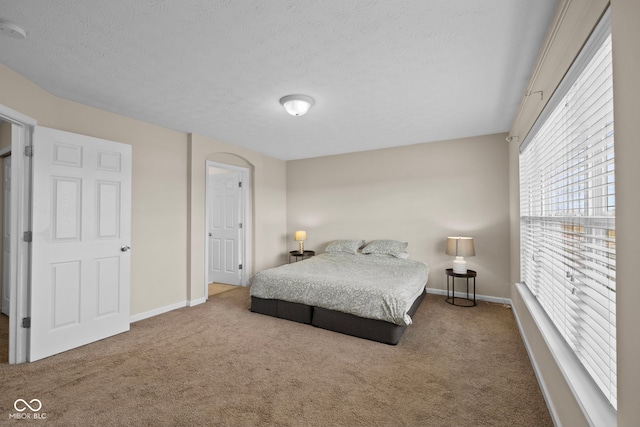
{"points": [[80, 274], [224, 222], [6, 235]]}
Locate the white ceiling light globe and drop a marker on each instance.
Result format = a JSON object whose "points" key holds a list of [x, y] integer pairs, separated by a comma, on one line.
{"points": [[297, 105]]}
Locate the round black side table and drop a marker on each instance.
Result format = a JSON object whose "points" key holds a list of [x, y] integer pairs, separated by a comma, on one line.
{"points": [[297, 256], [461, 301]]}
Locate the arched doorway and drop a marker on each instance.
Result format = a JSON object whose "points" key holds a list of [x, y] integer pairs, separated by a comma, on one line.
{"points": [[228, 219]]}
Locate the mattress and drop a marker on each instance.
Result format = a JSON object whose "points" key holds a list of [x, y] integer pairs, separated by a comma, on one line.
{"points": [[377, 287]]}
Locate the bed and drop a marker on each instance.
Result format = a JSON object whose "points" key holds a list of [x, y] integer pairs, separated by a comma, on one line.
{"points": [[370, 293]]}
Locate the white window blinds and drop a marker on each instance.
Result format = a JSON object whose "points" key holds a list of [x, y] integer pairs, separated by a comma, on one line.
{"points": [[567, 212]]}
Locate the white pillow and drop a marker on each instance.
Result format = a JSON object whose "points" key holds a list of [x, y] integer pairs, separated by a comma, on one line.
{"points": [[385, 247], [348, 246]]}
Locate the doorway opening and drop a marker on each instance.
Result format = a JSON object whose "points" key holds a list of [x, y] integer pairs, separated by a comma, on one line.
{"points": [[219, 288], [17, 129], [5, 235], [227, 226]]}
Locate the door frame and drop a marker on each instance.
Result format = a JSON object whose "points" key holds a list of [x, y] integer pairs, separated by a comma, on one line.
{"points": [[244, 256], [6, 205], [21, 137]]}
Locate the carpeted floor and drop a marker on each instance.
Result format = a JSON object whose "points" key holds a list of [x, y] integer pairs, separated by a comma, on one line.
{"points": [[218, 364]]}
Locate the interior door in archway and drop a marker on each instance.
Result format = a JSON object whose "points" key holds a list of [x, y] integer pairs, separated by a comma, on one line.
{"points": [[224, 225]]}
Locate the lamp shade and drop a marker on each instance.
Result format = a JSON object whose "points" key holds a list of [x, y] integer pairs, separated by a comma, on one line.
{"points": [[460, 246], [297, 105], [300, 236]]}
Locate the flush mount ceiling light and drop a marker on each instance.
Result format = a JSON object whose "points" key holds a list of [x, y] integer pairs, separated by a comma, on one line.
{"points": [[10, 29], [297, 105]]}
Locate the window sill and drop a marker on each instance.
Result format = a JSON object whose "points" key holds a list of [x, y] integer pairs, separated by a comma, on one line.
{"points": [[595, 407]]}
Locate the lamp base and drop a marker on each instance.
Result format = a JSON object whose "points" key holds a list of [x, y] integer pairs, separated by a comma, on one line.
{"points": [[460, 265], [301, 246]]}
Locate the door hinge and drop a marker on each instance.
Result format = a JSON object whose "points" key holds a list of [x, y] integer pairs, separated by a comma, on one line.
{"points": [[28, 150], [240, 184], [27, 236], [240, 225], [240, 267], [26, 322]]}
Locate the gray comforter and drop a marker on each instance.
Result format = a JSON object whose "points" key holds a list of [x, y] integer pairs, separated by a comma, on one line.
{"points": [[372, 286]]}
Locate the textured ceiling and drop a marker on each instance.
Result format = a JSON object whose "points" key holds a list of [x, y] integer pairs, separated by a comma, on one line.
{"points": [[382, 72]]}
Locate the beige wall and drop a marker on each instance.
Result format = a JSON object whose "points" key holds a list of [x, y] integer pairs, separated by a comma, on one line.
{"points": [[160, 238], [626, 63], [419, 194], [626, 91], [5, 134], [159, 181]]}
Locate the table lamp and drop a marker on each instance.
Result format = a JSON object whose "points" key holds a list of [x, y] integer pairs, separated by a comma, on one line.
{"points": [[460, 247], [300, 237]]}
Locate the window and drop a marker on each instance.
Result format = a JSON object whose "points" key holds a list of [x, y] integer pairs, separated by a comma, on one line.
{"points": [[567, 212]]}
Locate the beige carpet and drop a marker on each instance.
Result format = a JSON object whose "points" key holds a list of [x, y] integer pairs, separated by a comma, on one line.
{"points": [[218, 364]]}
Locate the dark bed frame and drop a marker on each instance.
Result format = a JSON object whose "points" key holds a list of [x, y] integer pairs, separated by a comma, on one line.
{"points": [[371, 329]]}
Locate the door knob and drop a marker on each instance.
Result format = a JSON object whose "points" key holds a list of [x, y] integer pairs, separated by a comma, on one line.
{"points": [[125, 248]]}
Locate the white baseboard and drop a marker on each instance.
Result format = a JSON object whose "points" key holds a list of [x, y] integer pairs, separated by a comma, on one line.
{"points": [[157, 311], [166, 309], [487, 298], [198, 301]]}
